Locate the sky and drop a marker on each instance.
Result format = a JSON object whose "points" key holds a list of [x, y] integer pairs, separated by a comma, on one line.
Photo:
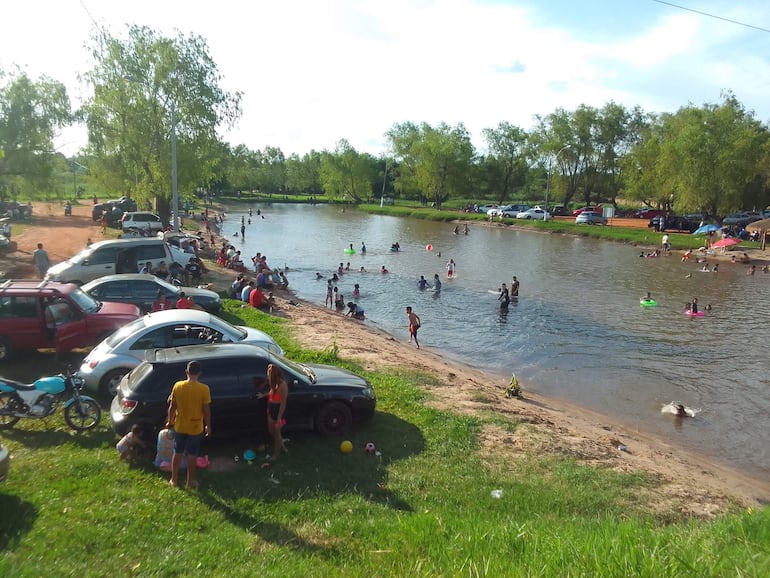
{"points": [[313, 72]]}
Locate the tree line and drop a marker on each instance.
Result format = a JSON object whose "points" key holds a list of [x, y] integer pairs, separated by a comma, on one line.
{"points": [[149, 90]]}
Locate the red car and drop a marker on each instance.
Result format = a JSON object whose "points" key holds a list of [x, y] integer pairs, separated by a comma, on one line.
{"points": [[649, 213], [49, 315], [596, 209]]}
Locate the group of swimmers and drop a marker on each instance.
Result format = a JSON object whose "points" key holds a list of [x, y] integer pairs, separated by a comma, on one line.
{"points": [[505, 294]]}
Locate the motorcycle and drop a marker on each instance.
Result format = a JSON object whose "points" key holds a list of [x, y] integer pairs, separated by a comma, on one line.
{"points": [[42, 398], [67, 210]]}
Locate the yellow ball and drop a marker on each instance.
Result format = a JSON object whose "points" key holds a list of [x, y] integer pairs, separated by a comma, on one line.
{"points": [[346, 447]]}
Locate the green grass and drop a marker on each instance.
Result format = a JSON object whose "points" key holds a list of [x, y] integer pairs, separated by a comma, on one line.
{"points": [[422, 508], [636, 237]]}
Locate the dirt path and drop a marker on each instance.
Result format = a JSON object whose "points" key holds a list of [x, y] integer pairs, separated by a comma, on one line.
{"points": [[688, 484], [61, 236]]}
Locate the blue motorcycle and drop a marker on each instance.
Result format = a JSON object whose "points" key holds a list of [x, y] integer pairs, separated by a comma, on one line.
{"points": [[42, 398]]}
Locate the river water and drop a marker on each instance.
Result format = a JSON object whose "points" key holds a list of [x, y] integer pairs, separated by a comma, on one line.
{"points": [[576, 332]]}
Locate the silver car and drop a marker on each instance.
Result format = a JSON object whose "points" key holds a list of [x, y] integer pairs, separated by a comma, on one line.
{"points": [[114, 357], [590, 218]]}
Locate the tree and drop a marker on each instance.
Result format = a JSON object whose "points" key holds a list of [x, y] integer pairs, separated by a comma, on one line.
{"points": [[506, 164], [348, 173], [436, 161], [303, 175], [147, 87], [30, 114], [711, 157]]}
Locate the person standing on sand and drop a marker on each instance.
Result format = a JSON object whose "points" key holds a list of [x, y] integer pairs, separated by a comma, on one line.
{"points": [[189, 413], [40, 260], [414, 325]]}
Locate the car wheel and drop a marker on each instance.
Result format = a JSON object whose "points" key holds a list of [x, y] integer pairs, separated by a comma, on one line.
{"points": [[333, 418], [108, 386], [5, 349]]}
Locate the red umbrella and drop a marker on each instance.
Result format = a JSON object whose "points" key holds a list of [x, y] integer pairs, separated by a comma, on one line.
{"points": [[726, 242]]}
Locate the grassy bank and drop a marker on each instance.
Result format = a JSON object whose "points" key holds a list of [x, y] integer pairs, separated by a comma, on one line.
{"points": [[424, 507], [630, 236]]}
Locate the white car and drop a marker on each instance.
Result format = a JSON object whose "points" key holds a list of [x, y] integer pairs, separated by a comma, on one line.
{"points": [[533, 213], [141, 221], [122, 351]]}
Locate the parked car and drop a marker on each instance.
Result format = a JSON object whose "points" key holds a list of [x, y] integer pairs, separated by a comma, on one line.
{"points": [[590, 218], [674, 223], [533, 213], [61, 316], [5, 463], [648, 213], [740, 219], [484, 209], [510, 211], [143, 289], [560, 211], [115, 256], [321, 397], [596, 209], [141, 221], [122, 351]]}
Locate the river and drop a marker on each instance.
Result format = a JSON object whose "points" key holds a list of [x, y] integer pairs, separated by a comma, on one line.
{"points": [[576, 332]]}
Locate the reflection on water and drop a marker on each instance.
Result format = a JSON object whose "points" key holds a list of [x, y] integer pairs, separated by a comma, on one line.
{"points": [[576, 332]]}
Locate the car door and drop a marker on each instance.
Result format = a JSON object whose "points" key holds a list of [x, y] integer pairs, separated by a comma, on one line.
{"points": [[233, 385], [67, 323], [22, 322], [145, 293], [118, 291], [100, 262]]}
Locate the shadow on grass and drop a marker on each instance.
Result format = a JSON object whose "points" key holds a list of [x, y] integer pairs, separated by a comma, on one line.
{"points": [[315, 467], [55, 433], [16, 521]]}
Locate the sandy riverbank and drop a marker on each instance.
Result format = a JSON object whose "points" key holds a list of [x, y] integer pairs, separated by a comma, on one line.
{"points": [[688, 484]]}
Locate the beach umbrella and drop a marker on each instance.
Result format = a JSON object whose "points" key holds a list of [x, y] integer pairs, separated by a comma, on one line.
{"points": [[726, 242], [763, 225], [705, 229]]}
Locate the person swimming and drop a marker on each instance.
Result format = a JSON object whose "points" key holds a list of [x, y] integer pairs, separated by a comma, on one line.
{"points": [[681, 411], [422, 283]]}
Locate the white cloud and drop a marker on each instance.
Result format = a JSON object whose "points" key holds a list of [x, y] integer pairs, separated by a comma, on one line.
{"points": [[315, 72]]}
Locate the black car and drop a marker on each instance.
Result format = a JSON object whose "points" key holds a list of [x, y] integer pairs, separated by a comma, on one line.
{"points": [[113, 210], [673, 223], [321, 397]]}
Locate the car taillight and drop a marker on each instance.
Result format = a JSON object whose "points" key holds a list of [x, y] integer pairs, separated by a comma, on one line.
{"points": [[94, 363], [127, 406]]}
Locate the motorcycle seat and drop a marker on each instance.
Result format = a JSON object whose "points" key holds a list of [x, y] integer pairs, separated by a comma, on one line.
{"points": [[16, 384]]}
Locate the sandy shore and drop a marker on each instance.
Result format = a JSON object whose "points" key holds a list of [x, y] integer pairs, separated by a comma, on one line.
{"points": [[687, 484]]}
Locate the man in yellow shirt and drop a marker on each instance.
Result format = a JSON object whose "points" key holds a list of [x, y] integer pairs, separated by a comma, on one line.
{"points": [[189, 413]]}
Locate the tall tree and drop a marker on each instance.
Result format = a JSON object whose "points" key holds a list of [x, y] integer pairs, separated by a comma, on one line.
{"points": [[31, 111], [506, 164], [348, 173], [147, 87], [436, 161]]}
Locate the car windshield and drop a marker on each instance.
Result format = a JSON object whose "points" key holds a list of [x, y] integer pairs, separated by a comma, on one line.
{"points": [[125, 331], [232, 332], [299, 369], [85, 301]]}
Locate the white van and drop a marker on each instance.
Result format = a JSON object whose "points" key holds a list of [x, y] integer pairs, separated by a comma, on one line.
{"points": [[115, 256]]}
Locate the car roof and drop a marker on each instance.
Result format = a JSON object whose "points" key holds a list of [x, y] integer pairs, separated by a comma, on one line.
{"points": [[37, 286], [126, 277], [177, 316], [203, 352]]}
